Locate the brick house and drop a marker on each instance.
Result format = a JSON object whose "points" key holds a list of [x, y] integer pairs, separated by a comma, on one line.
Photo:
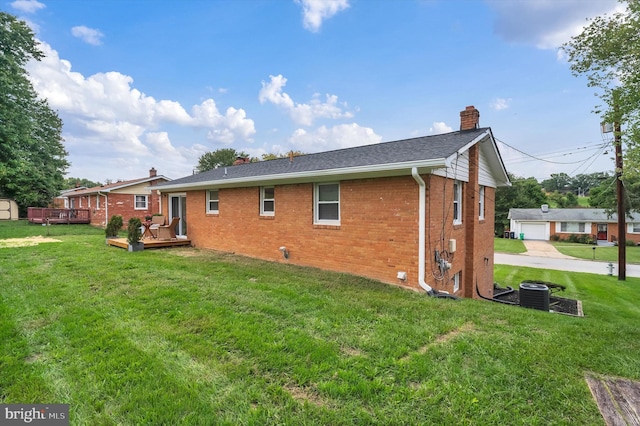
{"points": [[417, 213], [129, 198], [547, 224]]}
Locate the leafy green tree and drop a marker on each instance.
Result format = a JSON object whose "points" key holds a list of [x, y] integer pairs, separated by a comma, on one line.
{"points": [[272, 156], [563, 200], [218, 158], [32, 156], [607, 52], [72, 182], [604, 195], [557, 182], [523, 193]]}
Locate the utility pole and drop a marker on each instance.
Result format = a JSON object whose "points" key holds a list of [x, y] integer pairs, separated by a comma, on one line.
{"points": [[622, 231]]}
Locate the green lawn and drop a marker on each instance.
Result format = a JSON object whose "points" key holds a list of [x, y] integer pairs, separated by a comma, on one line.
{"points": [[191, 337], [507, 245], [586, 251]]}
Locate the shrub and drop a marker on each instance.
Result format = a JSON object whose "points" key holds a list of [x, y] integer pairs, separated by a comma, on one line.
{"points": [[133, 230], [113, 226]]}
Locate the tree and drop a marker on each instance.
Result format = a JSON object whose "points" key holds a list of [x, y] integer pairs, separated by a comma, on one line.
{"points": [[563, 200], [32, 156], [72, 182], [607, 52], [557, 182], [272, 156], [523, 193], [218, 158]]}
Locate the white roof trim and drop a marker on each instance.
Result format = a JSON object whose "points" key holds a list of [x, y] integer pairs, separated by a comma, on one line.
{"points": [[313, 175]]}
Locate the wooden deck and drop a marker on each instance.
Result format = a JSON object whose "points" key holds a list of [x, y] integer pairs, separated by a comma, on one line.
{"points": [[618, 400], [54, 216], [150, 242]]}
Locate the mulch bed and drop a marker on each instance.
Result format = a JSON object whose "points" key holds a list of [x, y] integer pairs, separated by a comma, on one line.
{"points": [[556, 304]]}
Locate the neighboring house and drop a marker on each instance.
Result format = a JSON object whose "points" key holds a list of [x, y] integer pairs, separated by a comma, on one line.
{"points": [[62, 200], [545, 223], [417, 212], [130, 198]]}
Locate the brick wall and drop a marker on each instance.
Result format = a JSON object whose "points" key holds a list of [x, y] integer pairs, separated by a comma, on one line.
{"points": [[122, 204], [377, 236]]}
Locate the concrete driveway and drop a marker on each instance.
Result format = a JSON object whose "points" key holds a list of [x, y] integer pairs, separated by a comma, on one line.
{"points": [[543, 255]]}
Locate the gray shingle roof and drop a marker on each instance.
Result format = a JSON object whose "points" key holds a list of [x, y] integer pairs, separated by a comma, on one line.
{"points": [[403, 151], [567, 215]]}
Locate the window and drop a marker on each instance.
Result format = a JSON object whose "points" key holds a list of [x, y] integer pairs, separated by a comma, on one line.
{"points": [[72, 202], [456, 282], [97, 202], [572, 226], [481, 203], [141, 202], [327, 204], [635, 228], [212, 201], [457, 202], [267, 201]]}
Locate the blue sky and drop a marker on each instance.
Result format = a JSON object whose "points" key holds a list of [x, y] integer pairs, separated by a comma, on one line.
{"points": [[143, 84]]}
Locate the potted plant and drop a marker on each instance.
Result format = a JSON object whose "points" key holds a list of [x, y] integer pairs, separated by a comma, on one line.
{"points": [[113, 226], [134, 235], [147, 218]]}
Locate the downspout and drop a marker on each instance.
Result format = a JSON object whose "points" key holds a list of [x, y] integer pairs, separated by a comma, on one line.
{"points": [[422, 208]]}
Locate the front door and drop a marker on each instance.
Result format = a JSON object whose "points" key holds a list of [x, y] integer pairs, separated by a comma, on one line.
{"points": [[178, 208], [602, 232]]}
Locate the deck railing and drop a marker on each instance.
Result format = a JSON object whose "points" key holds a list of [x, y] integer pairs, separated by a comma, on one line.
{"points": [[48, 215]]}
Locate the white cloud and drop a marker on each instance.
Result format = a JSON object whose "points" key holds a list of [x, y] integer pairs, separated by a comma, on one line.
{"points": [[499, 104], [107, 119], [548, 23], [439, 127], [316, 11], [27, 6], [329, 138], [88, 35], [301, 114]]}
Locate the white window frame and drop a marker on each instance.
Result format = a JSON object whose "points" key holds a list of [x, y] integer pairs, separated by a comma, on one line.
{"points": [[97, 202], [457, 202], [211, 200], [456, 282], [264, 200], [72, 203], [135, 202], [634, 228], [481, 202], [317, 203], [569, 227]]}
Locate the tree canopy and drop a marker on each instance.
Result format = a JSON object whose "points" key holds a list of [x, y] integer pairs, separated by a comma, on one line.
{"points": [[72, 182], [32, 155], [607, 52], [218, 158], [524, 193]]}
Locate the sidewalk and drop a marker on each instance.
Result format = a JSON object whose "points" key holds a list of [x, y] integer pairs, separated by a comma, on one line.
{"points": [[542, 255]]}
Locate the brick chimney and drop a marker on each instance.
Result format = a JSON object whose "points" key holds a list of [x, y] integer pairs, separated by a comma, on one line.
{"points": [[241, 160], [153, 172], [469, 118]]}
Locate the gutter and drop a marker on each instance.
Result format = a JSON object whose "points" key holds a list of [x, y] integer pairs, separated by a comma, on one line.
{"points": [[422, 231]]}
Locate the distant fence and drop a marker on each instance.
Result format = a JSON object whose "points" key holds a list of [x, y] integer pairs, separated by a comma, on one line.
{"points": [[68, 216]]}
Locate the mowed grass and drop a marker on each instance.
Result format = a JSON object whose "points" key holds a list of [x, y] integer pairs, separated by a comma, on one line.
{"points": [[602, 253], [508, 245], [191, 337]]}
